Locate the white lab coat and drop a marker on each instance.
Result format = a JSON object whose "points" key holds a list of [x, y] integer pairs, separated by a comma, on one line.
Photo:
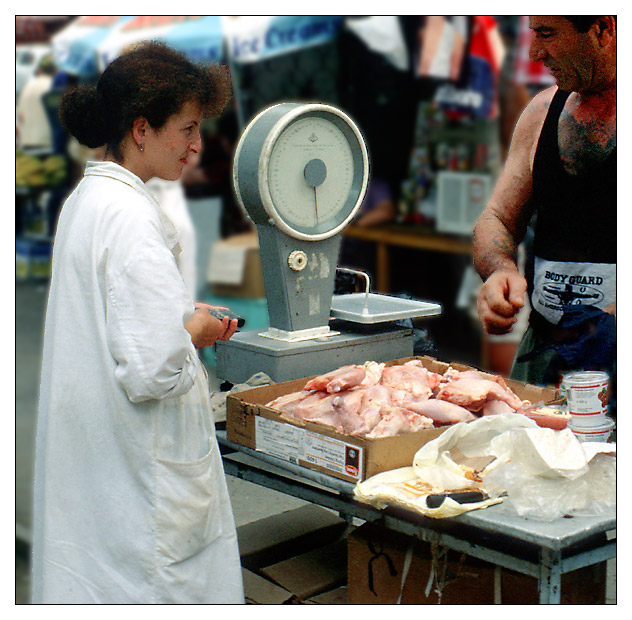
{"points": [[172, 199], [130, 498]]}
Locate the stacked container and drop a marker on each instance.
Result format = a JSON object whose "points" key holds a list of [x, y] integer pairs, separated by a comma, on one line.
{"points": [[587, 400]]}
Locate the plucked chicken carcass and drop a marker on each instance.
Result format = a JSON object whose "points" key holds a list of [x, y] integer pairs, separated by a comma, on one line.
{"points": [[472, 394], [374, 400], [412, 377]]}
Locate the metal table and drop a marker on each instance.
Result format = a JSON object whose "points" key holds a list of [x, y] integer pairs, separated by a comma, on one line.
{"points": [[544, 550]]}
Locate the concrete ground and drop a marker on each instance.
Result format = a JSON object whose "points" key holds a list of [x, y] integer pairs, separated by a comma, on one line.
{"points": [[250, 502]]}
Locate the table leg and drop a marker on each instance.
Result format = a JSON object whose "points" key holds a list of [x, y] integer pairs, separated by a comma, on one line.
{"points": [[383, 269], [550, 580]]}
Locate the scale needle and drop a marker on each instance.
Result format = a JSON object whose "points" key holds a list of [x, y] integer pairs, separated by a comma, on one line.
{"points": [[316, 205]]}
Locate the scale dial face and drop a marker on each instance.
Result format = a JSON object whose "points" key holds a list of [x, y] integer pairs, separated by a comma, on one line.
{"points": [[312, 171], [298, 200]]}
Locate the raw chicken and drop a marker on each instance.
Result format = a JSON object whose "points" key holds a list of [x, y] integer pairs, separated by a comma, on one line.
{"points": [[288, 402], [409, 377], [451, 374], [434, 378], [398, 421], [494, 407], [473, 393], [358, 421], [441, 412], [337, 380], [375, 400], [318, 407], [373, 373]]}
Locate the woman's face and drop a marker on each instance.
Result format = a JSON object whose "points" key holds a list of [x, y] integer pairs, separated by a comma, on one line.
{"points": [[168, 148]]}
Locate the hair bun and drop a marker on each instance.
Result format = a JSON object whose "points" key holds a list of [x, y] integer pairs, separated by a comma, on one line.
{"points": [[82, 112]]}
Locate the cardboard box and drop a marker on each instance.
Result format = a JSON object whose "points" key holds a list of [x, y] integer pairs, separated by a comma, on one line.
{"points": [[333, 597], [316, 446], [376, 560], [287, 534], [311, 573], [261, 591], [235, 267]]}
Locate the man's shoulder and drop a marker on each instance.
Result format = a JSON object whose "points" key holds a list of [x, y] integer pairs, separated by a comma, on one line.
{"points": [[538, 107], [531, 120]]}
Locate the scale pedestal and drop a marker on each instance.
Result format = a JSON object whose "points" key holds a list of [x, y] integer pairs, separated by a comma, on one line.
{"points": [[247, 353]]}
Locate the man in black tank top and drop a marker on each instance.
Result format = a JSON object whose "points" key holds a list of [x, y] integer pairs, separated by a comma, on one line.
{"points": [[560, 173]]}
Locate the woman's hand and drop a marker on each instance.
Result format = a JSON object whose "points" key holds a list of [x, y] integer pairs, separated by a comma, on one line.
{"points": [[205, 329]]}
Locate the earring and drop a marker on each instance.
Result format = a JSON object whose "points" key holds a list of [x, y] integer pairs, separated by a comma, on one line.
{"points": [[141, 146]]}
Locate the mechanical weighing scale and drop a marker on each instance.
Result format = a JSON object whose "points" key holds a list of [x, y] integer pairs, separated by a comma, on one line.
{"points": [[300, 173]]}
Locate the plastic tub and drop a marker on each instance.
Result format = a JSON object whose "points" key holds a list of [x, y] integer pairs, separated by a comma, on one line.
{"points": [[596, 433], [587, 398]]}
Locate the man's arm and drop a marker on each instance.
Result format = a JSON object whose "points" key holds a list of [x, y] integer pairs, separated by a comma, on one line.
{"points": [[502, 225]]}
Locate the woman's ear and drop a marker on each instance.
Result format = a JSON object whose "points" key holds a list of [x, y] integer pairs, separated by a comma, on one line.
{"points": [[139, 130]]}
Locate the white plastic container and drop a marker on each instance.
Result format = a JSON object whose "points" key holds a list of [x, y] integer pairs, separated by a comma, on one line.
{"points": [[596, 433], [587, 398]]}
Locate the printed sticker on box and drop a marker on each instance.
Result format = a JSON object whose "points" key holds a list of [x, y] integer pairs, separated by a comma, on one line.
{"points": [[295, 444], [333, 454], [279, 439]]}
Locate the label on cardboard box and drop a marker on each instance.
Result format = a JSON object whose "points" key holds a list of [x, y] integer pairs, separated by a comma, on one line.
{"points": [[278, 439], [295, 444]]}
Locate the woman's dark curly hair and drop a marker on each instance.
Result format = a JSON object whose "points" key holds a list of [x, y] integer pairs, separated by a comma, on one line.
{"points": [[153, 81]]}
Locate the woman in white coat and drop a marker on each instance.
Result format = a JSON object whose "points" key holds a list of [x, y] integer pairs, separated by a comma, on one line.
{"points": [[130, 501]]}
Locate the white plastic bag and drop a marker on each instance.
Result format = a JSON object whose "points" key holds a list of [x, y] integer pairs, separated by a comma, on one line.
{"points": [[448, 461], [549, 474]]}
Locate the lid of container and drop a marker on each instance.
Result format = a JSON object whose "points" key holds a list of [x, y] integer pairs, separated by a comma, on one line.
{"points": [[584, 378], [608, 425]]}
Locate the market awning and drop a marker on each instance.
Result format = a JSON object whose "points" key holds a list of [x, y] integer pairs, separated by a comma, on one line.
{"points": [[38, 28], [259, 37], [75, 47], [198, 36], [91, 42]]}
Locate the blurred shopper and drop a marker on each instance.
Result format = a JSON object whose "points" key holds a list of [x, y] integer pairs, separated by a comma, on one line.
{"points": [[33, 129], [562, 167], [130, 498]]}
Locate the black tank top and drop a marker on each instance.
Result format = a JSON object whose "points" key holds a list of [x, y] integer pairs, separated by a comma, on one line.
{"points": [[574, 244]]}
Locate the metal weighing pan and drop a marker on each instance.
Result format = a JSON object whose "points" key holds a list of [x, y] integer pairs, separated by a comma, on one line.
{"points": [[371, 308]]}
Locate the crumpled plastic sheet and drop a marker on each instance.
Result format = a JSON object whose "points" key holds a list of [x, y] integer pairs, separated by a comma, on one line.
{"points": [[435, 463], [549, 475], [536, 472], [218, 399]]}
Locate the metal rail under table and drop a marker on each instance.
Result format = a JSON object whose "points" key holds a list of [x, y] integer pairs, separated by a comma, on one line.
{"points": [[544, 550]]}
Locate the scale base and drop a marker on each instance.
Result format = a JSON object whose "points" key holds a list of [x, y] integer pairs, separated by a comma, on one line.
{"points": [[248, 353]]}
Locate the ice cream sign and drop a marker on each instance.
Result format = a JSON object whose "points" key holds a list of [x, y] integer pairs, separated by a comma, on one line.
{"points": [[255, 38]]}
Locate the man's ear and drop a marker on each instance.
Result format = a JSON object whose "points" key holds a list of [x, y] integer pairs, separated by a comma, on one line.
{"points": [[606, 30], [139, 129]]}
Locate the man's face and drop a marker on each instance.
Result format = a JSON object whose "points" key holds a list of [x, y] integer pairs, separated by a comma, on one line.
{"points": [[569, 54]]}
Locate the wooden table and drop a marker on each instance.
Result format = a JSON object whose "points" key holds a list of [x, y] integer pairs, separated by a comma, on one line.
{"points": [[405, 236]]}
